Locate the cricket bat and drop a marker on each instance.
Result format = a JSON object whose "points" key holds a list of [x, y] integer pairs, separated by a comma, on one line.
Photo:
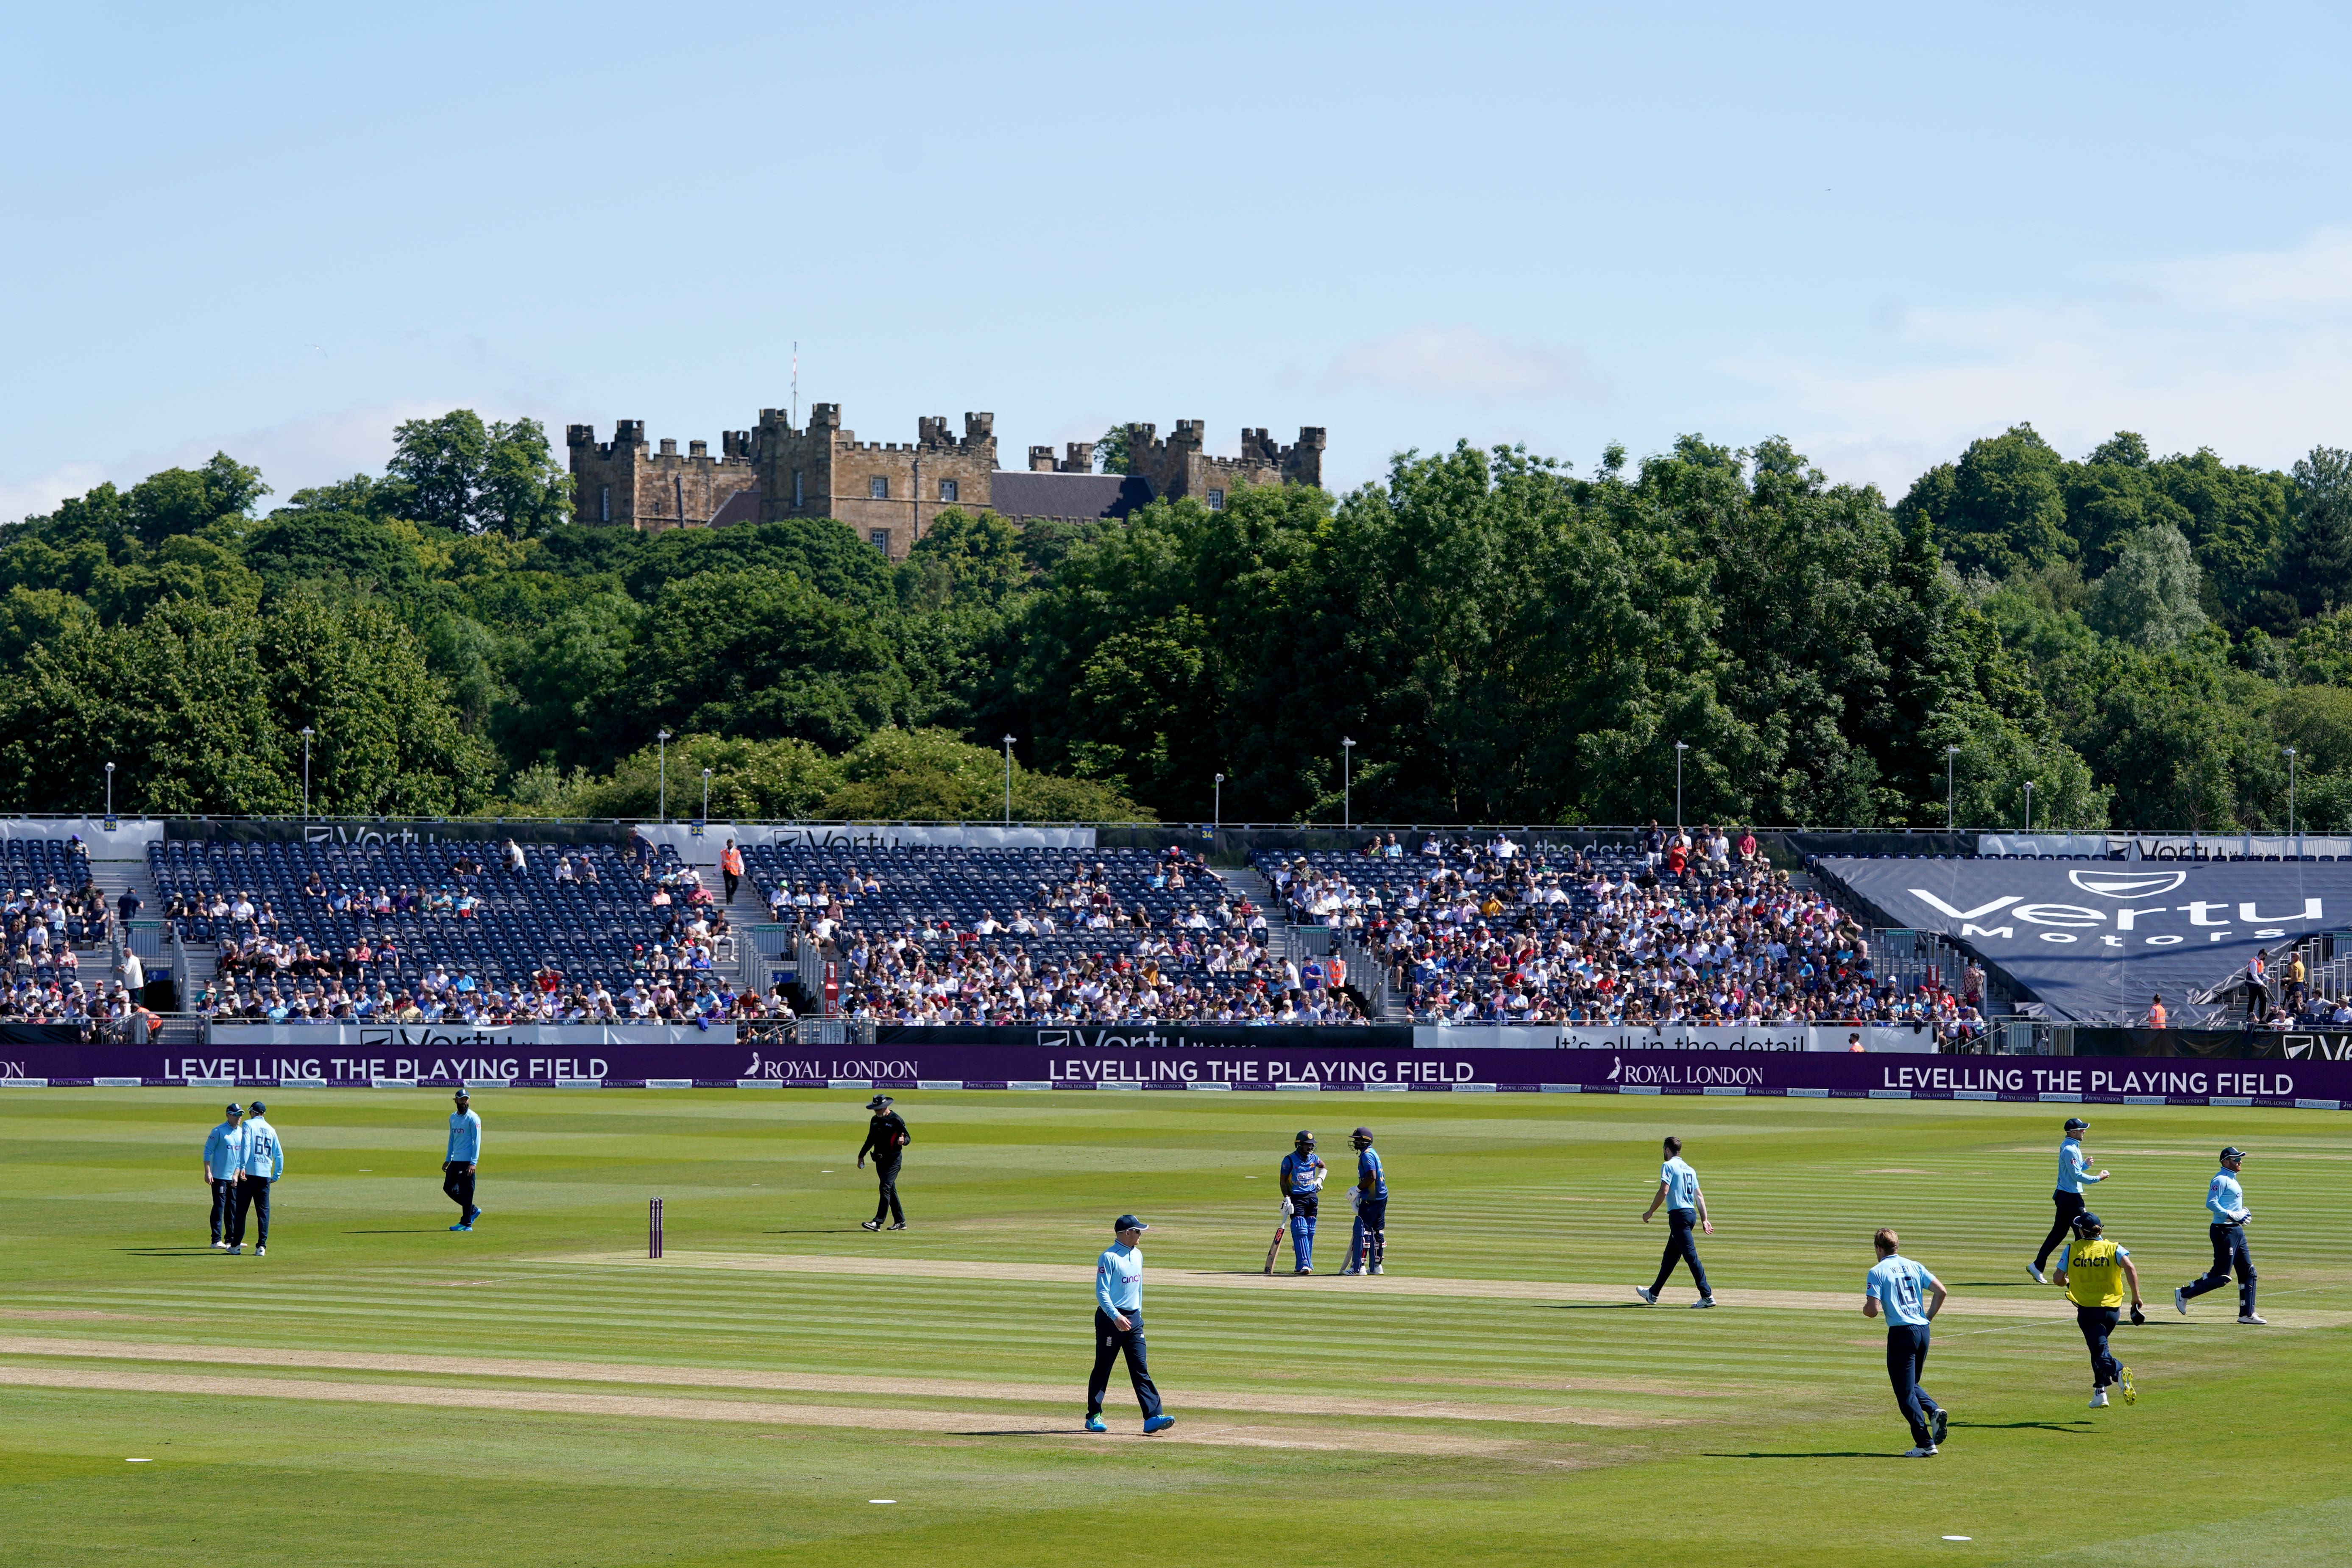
{"points": [[1274, 1245]]}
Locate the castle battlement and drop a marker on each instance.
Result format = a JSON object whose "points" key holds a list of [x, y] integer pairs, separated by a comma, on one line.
{"points": [[889, 490]]}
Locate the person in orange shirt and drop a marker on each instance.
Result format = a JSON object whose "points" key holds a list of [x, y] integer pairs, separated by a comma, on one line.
{"points": [[730, 866], [2156, 1011]]}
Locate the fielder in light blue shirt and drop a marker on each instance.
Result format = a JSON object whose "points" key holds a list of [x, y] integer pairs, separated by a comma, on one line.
{"points": [[458, 1162], [2226, 1198], [2225, 1206], [1686, 1206], [2074, 1173], [1118, 1327], [1896, 1286], [265, 1162], [224, 1163]]}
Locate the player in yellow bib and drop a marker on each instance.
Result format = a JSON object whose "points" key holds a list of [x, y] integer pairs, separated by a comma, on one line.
{"points": [[2095, 1273]]}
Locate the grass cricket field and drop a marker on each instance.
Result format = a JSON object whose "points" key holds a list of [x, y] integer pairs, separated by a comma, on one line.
{"points": [[378, 1390]]}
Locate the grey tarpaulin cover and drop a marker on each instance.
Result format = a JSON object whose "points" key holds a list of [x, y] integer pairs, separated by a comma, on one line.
{"points": [[2096, 939]]}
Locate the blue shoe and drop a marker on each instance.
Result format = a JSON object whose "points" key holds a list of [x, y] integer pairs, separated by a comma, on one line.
{"points": [[461, 1227], [471, 1215], [1095, 1424], [1158, 1424]]}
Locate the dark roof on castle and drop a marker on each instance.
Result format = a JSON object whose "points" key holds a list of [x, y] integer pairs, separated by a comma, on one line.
{"points": [[1021, 493], [743, 506]]}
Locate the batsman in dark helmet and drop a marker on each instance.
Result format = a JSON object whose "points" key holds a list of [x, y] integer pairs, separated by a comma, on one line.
{"points": [[1302, 1184], [1369, 1195]]}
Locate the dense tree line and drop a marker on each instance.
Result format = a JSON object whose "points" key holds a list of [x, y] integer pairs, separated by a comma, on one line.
{"points": [[1503, 638]]}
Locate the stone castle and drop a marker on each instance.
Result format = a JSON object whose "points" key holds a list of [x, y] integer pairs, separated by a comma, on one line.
{"points": [[889, 491]]}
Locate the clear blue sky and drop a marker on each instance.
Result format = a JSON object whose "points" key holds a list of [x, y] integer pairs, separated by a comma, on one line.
{"points": [[1880, 231]]}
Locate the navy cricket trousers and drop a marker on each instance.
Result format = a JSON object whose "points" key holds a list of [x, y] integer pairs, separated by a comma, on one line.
{"points": [[2097, 1324], [1110, 1341], [2069, 1204], [1906, 1352], [1682, 1245], [2229, 1250]]}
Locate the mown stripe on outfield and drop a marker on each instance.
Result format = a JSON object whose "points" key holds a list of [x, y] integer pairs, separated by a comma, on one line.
{"points": [[1389, 1285], [741, 1378], [776, 1413]]}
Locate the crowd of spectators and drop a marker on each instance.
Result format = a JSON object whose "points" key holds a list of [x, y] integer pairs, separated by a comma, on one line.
{"points": [[439, 996], [1676, 930], [1084, 945], [471, 939]]}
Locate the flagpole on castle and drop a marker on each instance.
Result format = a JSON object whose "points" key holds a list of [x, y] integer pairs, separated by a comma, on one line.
{"points": [[797, 385]]}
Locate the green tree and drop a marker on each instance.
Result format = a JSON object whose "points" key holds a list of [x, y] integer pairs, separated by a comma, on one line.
{"points": [[898, 775], [458, 473], [2003, 506], [2148, 597], [2317, 568], [523, 490], [761, 655]]}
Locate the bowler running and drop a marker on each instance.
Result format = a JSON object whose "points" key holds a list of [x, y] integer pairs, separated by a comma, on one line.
{"points": [[1893, 1286], [1118, 1327]]}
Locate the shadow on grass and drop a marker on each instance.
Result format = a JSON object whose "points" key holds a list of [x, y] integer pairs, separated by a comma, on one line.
{"points": [[165, 1251], [1018, 1431], [1831, 1454], [1997, 1285], [819, 1230], [422, 1230], [2072, 1429], [1600, 1307]]}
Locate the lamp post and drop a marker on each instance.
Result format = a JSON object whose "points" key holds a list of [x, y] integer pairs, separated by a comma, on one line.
{"points": [[109, 789], [1347, 783], [706, 794], [2288, 752], [1951, 755], [1680, 747], [306, 773], [1217, 809], [2029, 805], [1008, 781], [661, 739]]}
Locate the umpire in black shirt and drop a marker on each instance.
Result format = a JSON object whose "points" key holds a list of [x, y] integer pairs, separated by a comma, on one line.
{"points": [[885, 1139]]}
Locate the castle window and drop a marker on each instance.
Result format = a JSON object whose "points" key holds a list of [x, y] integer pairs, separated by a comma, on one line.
{"points": [[796, 489], [947, 489], [1216, 501], [603, 503], [880, 538], [878, 488]]}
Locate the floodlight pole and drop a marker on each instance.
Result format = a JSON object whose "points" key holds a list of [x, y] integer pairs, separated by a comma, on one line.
{"points": [[1951, 754], [2288, 752], [1680, 747], [306, 773], [661, 740], [2029, 805], [706, 794], [1347, 783], [1008, 781], [1217, 808], [109, 789]]}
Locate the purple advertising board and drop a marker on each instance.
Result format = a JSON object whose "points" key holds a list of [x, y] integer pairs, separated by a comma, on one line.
{"points": [[2315, 1080]]}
